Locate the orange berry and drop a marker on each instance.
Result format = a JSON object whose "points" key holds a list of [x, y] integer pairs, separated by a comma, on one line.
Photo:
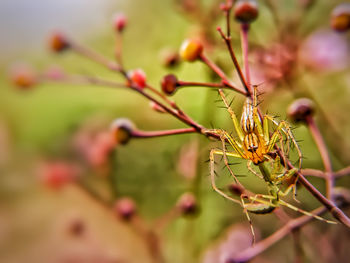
{"points": [[122, 130], [191, 50], [58, 42], [23, 77], [340, 18]]}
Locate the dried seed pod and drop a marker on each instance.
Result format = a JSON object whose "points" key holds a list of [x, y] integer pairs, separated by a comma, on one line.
{"points": [[340, 17], [246, 11], [301, 109], [122, 130], [125, 208], [187, 204], [169, 84], [58, 42], [191, 50]]}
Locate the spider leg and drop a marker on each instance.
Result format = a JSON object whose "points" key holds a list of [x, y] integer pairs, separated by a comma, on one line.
{"points": [[249, 220], [214, 152], [305, 212], [249, 166], [233, 116], [285, 128], [225, 136]]}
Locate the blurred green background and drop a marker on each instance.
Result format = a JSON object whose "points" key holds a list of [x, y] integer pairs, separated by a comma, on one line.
{"points": [[40, 122]]}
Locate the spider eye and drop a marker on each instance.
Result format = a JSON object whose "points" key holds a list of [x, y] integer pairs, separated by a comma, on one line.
{"points": [[252, 149]]}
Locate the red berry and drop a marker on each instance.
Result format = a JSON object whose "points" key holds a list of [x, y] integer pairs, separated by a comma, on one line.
{"points": [[137, 78], [119, 22], [56, 174], [246, 11], [125, 208], [169, 84], [187, 204]]}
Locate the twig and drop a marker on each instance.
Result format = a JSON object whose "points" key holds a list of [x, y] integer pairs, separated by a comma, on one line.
{"points": [[221, 74], [227, 40], [261, 246], [245, 48], [316, 134], [150, 134]]}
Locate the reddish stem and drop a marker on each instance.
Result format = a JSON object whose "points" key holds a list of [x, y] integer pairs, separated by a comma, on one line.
{"points": [[316, 134], [245, 50], [235, 62], [151, 134], [220, 73]]}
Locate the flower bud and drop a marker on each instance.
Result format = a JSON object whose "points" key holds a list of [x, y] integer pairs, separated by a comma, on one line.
{"points": [[169, 84], [246, 11], [125, 208], [122, 130], [187, 204], [137, 78], [23, 77], [301, 109], [191, 50], [119, 22], [340, 17], [58, 42]]}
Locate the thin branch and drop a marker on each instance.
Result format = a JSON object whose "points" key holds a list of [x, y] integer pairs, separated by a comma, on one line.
{"points": [[261, 246], [343, 172], [316, 134], [97, 57], [235, 62], [245, 49], [221, 74], [151, 134], [332, 208]]}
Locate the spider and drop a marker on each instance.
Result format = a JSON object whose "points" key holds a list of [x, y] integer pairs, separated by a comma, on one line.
{"points": [[256, 145]]}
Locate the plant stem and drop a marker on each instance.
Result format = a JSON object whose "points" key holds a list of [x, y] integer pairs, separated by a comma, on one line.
{"points": [[151, 134], [245, 50], [316, 134], [235, 62]]}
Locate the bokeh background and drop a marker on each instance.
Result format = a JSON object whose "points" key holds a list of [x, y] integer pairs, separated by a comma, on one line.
{"points": [[35, 221]]}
